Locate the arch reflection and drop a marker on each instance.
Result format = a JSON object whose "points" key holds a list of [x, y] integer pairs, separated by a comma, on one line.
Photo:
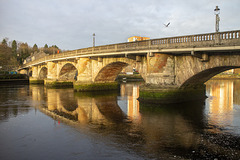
{"points": [[223, 98]]}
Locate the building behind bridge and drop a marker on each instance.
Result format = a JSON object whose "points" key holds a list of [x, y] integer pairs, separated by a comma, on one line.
{"points": [[137, 38]]}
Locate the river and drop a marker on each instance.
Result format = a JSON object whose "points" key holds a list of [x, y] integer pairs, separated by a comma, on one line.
{"points": [[41, 123]]}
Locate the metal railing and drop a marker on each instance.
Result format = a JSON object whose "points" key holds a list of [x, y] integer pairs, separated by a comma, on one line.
{"points": [[200, 40]]}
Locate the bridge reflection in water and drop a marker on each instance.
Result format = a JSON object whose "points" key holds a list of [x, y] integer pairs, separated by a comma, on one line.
{"points": [[189, 130], [222, 103], [91, 107]]}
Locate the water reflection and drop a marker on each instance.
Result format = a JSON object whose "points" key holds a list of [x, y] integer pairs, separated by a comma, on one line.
{"points": [[82, 107], [129, 94], [172, 131], [222, 104], [13, 103]]}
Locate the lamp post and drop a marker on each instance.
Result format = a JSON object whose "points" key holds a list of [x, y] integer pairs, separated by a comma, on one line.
{"points": [[94, 39], [217, 12]]}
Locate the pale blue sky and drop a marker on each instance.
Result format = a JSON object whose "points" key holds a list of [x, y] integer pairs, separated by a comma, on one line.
{"points": [[70, 24]]}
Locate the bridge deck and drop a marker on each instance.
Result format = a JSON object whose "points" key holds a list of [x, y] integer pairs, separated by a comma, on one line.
{"points": [[220, 41]]}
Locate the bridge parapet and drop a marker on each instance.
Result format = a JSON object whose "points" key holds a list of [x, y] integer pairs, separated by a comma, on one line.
{"points": [[200, 40]]}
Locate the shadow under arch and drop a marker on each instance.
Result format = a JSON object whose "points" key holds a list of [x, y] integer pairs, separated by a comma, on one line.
{"points": [[43, 73], [110, 72], [68, 101], [68, 72], [30, 74], [202, 77], [109, 107]]}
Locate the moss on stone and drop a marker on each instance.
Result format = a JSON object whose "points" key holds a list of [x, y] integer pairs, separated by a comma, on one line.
{"points": [[58, 84], [162, 96], [78, 86], [36, 81], [94, 94]]}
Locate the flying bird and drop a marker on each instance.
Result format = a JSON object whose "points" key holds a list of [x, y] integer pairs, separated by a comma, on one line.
{"points": [[166, 25]]}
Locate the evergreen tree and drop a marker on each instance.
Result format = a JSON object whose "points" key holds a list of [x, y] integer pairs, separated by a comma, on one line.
{"points": [[4, 42], [24, 51], [35, 48], [45, 49], [7, 60], [14, 48]]}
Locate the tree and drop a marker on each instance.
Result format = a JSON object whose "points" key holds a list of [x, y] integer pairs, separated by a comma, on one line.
{"points": [[4, 42], [35, 48], [53, 49], [45, 49], [14, 48], [7, 60], [24, 51]]}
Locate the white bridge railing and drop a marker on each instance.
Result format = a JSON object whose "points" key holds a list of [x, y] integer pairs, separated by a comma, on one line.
{"points": [[229, 38]]}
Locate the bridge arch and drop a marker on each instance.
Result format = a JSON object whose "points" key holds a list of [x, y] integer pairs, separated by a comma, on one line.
{"points": [[68, 72], [110, 72], [43, 73], [193, 72], [204, 76]]}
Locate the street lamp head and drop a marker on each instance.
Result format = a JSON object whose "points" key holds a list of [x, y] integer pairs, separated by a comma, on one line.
{"points": [[217, 10]]}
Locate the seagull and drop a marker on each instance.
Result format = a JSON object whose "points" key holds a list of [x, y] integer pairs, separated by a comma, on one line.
{"points": [[166, 25]]}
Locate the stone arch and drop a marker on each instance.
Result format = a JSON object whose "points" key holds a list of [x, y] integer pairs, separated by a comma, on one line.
{"points": [[192, 72], [68, 72], [43, 73], [202, 77], [109, 72]]}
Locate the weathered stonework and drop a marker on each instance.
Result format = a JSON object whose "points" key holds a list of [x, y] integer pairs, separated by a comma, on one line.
{"points": [[84, 70], [160, 70], [35, 81], [169, 94], [79, 86], [191, 71], [58, 84], [52, 70]]}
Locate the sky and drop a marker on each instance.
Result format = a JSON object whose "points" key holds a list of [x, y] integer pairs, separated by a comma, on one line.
{"points": [[70, 24]]}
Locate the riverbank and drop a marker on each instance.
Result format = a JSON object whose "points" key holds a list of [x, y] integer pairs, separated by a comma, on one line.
{"points": [[14, 79]]}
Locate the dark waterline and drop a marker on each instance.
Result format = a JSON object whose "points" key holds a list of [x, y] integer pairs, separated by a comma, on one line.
{"points": [[41, 123]]}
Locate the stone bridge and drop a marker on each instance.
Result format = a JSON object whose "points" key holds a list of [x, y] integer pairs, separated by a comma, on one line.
{"points": [[170, 66]]}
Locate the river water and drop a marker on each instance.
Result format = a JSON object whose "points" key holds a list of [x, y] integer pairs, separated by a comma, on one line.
{"points": [[42, 123]]}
